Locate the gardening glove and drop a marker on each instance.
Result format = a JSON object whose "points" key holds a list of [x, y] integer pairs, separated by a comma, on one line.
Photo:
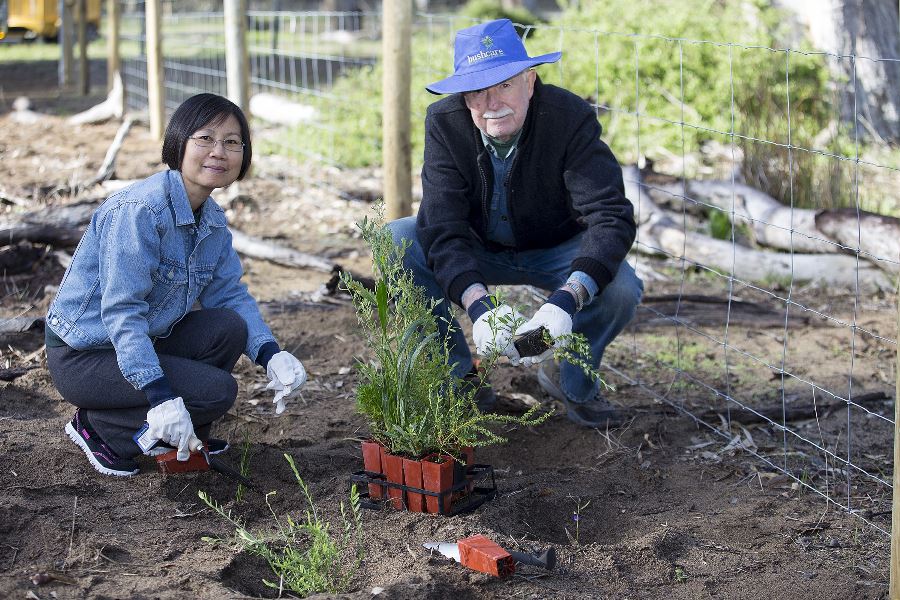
{"points": [[171, 423], [494, 330], [286, 375], [555, 320]]}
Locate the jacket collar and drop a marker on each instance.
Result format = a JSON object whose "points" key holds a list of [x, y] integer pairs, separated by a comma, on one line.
{"points": [[210, 212]]}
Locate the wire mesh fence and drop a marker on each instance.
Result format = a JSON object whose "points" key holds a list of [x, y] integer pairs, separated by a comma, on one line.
{"points": [[737, 329]]}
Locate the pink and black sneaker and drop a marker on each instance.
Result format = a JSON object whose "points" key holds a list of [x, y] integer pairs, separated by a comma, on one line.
{"points": [[101, 456]]}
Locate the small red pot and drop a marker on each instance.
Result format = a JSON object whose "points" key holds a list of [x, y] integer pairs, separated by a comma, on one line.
{"points": [[393, 470], [437, 476], [412, 477], [371, 451]]}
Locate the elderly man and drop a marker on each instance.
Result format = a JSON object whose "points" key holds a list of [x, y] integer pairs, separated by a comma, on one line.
{"points": [[518, 189]]}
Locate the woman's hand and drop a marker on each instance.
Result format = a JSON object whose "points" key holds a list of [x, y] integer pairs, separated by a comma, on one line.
{"points": [[171, 423], [286, 375]]}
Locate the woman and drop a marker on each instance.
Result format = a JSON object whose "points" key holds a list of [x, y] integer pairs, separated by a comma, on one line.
{"points": [[147, 372]]}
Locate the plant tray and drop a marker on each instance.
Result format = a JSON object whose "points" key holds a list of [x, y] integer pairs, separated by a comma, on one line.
{"points": [[480, 481]]}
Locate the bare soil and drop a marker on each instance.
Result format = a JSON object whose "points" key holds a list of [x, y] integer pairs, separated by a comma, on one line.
{"points": [[664, 510]]}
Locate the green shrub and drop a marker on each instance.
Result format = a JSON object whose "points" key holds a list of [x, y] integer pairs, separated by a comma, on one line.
{"points": [[488, 10]]}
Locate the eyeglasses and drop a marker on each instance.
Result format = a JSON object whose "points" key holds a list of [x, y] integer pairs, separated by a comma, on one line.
{"points": [[207, 141]]}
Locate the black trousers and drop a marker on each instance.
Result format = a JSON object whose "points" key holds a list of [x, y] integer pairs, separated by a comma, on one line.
{"points": [[197, 359]]}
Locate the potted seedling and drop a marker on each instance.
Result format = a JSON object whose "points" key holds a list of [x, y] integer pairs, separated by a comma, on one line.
{"points": [[423, 419]]}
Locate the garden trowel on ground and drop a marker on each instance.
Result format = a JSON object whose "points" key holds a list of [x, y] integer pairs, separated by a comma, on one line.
{"points": [[200, 460], [481, 554]]}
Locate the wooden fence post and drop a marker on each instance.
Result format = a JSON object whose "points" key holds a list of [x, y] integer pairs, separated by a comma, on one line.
{"points": [[156, 98], [895, 506], [84, 67], [237, 61], [66, 42], [396, 33], [113, 33]]}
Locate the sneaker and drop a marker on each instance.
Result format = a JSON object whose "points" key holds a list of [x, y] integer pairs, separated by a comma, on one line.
{"points": [[597, 412], [485, 397], [215, 446], [101, 456]]}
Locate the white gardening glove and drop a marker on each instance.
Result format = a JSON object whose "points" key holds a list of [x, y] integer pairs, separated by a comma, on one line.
{"points": [[494, 330], [286, 375], [171, 423], [555, 320]]}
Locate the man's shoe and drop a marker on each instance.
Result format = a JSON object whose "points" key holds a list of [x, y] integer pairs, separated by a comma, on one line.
{"points": [[485, 397], [101, 456], [216, 446], [597, 412]]}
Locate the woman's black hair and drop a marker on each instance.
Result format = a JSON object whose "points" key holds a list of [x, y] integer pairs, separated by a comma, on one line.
{"points": [[195, 113]]}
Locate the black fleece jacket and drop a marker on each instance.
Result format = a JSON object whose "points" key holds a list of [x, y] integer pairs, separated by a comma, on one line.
{"points": [[563, 180]]}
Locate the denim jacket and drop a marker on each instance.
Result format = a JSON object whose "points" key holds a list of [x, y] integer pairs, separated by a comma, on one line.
{"points": [[140, 267]]}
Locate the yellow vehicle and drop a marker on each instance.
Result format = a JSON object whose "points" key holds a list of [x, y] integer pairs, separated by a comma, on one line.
{"points": [[39, 18]]}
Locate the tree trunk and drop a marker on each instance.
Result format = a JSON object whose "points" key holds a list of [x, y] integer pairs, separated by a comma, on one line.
{"points": [[869, 30]]}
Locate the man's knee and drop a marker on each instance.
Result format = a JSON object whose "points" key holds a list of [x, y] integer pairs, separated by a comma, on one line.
{"points": [[623, 294], [403, 229]]}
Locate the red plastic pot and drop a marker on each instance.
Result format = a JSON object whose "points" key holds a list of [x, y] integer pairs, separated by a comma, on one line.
{"points": [[371, 451], [437, 476], [393, 470], [412, 477]]}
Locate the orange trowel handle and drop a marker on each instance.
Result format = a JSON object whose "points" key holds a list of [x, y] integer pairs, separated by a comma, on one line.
{"points": [[481, 554]]}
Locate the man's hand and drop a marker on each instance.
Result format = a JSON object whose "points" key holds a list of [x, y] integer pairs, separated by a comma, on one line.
{"points": [[171, 423], [557, 322], [286, 376], [494, 331]]}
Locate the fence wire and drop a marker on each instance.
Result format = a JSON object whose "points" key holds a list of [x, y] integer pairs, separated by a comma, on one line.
{"points": [[793, 372]]}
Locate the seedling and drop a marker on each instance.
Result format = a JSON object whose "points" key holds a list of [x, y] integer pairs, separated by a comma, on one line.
{"points": [[244, 469], [576, 518], [304, 555]]}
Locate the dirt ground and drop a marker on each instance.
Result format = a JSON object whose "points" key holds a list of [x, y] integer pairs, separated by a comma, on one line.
{"points": [[664, 510]]}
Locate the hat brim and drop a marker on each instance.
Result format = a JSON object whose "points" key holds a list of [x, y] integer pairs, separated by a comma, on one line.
{"points": [[478, 80]]}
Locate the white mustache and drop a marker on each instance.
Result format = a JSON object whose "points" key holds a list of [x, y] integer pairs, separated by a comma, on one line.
{"points": [[496, 115]]}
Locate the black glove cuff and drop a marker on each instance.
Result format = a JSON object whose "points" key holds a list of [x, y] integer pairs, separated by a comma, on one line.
{"points": [[159, 391], [265, 354], [564, 300], [481, 306]]}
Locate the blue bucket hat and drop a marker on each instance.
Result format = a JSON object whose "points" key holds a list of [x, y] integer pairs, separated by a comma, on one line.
{"points": [[486, 55]]}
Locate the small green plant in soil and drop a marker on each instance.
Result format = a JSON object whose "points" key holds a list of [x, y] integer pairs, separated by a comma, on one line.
{"points": [[305, 555], [576, 519], [244, 469]]}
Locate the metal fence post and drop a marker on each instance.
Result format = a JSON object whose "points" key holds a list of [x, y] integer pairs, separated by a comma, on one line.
{"points": [[155, 91], [395, 37], [237, 60]]}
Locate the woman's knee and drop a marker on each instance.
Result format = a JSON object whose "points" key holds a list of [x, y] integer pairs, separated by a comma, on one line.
{"points": [[231, 326]]}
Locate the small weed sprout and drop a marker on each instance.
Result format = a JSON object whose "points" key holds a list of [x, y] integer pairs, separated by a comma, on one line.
{"points": [[305, 555], [576, 518], [244, 469]]}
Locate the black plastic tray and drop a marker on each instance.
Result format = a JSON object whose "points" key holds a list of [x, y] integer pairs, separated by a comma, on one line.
{"points": [[479, 477]]}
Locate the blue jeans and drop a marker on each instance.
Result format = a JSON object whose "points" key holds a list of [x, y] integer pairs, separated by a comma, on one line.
{"points": [[600, 321]]}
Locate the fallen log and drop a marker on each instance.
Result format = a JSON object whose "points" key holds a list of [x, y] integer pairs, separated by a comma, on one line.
{"points": [[108, 168], [877, 237], [709, 311], [256, 247], [111, 108], [13, 374], [783, 414], [660, 232]]}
